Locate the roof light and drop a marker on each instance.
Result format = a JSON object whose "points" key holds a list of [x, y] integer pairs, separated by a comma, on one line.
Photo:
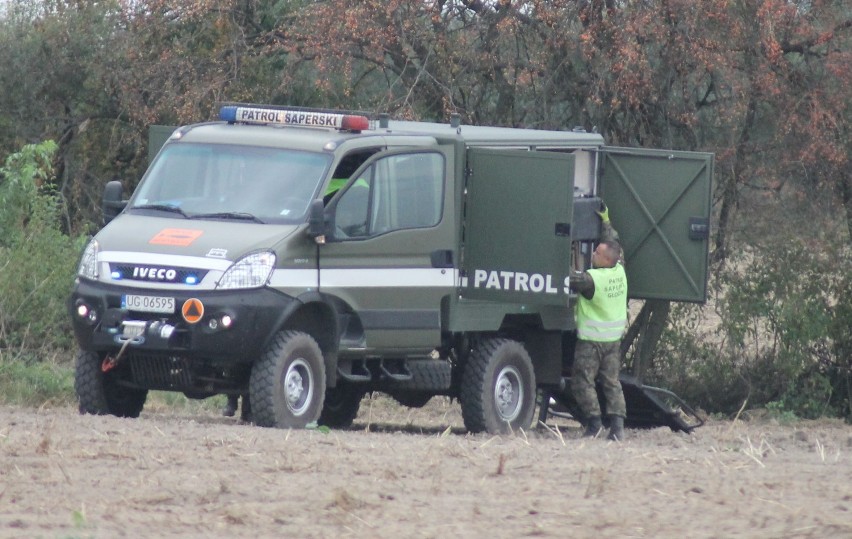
{"points": [[268, 116]]}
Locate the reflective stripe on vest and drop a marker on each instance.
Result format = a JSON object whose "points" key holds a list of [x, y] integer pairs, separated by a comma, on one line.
{"points": [[604, 317]]}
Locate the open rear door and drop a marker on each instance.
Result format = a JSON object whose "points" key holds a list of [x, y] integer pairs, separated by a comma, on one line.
{"points": [[157, 137], [517, 230], [659, 203]]}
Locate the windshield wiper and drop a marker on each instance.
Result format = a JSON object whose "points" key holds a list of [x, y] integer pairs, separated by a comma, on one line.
{"points": [[236, 215], [161, 207]]}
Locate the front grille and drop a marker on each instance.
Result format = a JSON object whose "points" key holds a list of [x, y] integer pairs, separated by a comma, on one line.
{"points": [[161, 372], [125, 272]]}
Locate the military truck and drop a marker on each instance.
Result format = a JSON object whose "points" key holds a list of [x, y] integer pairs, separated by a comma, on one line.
{"points": [[304, 258]]}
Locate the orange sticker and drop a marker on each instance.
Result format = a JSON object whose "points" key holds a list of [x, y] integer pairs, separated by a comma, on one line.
{"points": [[192, 310], [179, 237]]}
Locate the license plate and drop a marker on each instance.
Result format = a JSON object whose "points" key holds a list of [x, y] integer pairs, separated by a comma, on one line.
{"points": [[148, 304]]}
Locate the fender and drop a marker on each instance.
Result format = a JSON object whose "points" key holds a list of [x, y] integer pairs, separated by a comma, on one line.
{"points": [[313, 313]]}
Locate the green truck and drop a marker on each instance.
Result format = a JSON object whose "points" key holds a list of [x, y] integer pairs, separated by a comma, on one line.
{"points": [[304, 258]]}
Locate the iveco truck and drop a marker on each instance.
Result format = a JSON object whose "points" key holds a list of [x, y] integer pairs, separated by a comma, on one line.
{"points": [[304, 258]]}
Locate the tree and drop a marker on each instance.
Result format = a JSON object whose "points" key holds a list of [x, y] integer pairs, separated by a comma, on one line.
{"points": [[94, 75]]}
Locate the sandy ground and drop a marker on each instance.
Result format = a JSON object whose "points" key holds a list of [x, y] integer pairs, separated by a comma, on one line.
{"points": [[415, 473]]}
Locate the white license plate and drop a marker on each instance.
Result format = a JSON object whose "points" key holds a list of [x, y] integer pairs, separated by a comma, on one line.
{"points": [[148, 304]]}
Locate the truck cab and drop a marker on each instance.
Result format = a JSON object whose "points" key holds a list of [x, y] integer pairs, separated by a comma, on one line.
{"points": [[304, 258]]}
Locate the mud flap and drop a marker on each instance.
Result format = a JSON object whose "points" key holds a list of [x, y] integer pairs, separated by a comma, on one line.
{"points": [[647, 406]]}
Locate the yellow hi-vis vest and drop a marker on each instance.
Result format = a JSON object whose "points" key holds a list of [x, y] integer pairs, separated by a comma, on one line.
{"points": [[603, 318]]}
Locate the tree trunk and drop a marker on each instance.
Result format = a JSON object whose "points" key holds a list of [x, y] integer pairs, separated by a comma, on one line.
{"points": [[644, 335]]}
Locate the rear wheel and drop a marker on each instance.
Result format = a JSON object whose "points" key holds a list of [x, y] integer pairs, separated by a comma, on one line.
{"points": [[341, 405], [287, 384], [429, 377], [412, 399], [101, 393], [498, 388]]}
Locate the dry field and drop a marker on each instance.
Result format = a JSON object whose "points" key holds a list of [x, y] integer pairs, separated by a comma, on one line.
{"points": [[415, 473]]}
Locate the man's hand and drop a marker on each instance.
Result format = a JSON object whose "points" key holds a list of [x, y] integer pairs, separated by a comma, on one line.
{"points": [[603, 213]]}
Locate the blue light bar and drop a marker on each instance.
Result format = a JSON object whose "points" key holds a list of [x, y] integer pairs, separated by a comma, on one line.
{"points": [[228, 113]]}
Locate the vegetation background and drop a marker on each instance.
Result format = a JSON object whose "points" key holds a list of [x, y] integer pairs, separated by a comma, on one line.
{"points": [[764, 84]]}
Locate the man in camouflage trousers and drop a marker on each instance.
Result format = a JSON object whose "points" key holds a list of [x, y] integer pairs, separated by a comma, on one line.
{"points": [[601, 316]]}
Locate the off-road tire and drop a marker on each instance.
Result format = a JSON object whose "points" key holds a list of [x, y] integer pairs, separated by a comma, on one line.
{"points": [[498, 388], [99, 393], [412, 399], [427, 375], [287, 383], [341, 404], [428, 378]]}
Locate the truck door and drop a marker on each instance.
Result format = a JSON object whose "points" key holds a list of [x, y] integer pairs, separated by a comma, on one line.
{"points": [[389, 259], [517, 233], [659, 202]]}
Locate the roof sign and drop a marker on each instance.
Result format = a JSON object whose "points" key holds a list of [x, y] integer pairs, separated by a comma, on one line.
{"points": [[270, 116]]}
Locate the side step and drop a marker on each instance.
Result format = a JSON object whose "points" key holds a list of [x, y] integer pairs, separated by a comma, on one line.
{"points": [[361, 370], [647, 406]]}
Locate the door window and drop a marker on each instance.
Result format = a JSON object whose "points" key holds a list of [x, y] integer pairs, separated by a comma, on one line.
{"points": [[397, 192]]}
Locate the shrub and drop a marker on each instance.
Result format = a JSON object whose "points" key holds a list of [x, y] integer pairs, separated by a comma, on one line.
{"points": [[37, 261], [780, 337], [36, 384]]}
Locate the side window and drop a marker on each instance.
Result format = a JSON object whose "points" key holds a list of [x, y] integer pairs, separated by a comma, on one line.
{"points": [[396, 192], [344, 170], [351, 217]]}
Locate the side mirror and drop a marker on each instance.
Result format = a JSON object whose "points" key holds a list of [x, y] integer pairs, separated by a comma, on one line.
{"points": [[316, 221], [112, 203]]}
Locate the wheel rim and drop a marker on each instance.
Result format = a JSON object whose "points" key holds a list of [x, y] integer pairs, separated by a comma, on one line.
{"points": [[298, 386], [508, 394]]}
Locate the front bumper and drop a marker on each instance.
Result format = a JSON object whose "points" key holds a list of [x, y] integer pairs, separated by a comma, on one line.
{"points": [[102, 325]]}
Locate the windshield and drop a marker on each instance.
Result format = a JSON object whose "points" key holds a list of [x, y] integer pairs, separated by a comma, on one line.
{"points": [[217, 181]]}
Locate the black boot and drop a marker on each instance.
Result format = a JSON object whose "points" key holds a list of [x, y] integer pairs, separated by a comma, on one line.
{"points": [[616, 428], [231, 408], [593, 427]]}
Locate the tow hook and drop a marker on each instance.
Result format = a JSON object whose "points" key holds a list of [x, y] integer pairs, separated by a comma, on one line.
{"points": [[111, 362]]}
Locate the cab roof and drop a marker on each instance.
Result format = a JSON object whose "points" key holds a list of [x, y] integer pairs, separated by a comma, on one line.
{"points": [[476, 135], [312, 130]]}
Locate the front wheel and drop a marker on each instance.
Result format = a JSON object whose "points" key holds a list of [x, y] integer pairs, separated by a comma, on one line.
{"points": [[101, 393], [287, 383], [498, 388]]}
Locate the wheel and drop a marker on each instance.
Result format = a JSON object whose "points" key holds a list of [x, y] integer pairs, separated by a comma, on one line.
{"points": [[101, 393], [412, 399], [341, 405], [429, 377], [287, 383], [498, 388]]}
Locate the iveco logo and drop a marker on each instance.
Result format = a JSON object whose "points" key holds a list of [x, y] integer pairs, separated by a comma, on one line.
{"points": [[154, 274]]}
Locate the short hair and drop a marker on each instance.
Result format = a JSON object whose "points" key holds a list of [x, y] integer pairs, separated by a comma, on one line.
{"points": [[613, 251]]}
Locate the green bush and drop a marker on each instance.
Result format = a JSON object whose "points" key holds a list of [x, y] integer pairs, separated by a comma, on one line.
{"points": [[37, 261], [34, 384], [780, 335]]}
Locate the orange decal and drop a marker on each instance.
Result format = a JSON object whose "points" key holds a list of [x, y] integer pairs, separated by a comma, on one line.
{"points": [[179, 237], [192, 310]]}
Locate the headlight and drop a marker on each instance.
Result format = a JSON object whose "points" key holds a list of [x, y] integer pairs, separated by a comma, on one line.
{"points": [[88, 267], [251, 271]]}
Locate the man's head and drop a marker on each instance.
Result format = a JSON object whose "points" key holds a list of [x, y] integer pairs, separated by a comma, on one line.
{"points": [[606, 254]]}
